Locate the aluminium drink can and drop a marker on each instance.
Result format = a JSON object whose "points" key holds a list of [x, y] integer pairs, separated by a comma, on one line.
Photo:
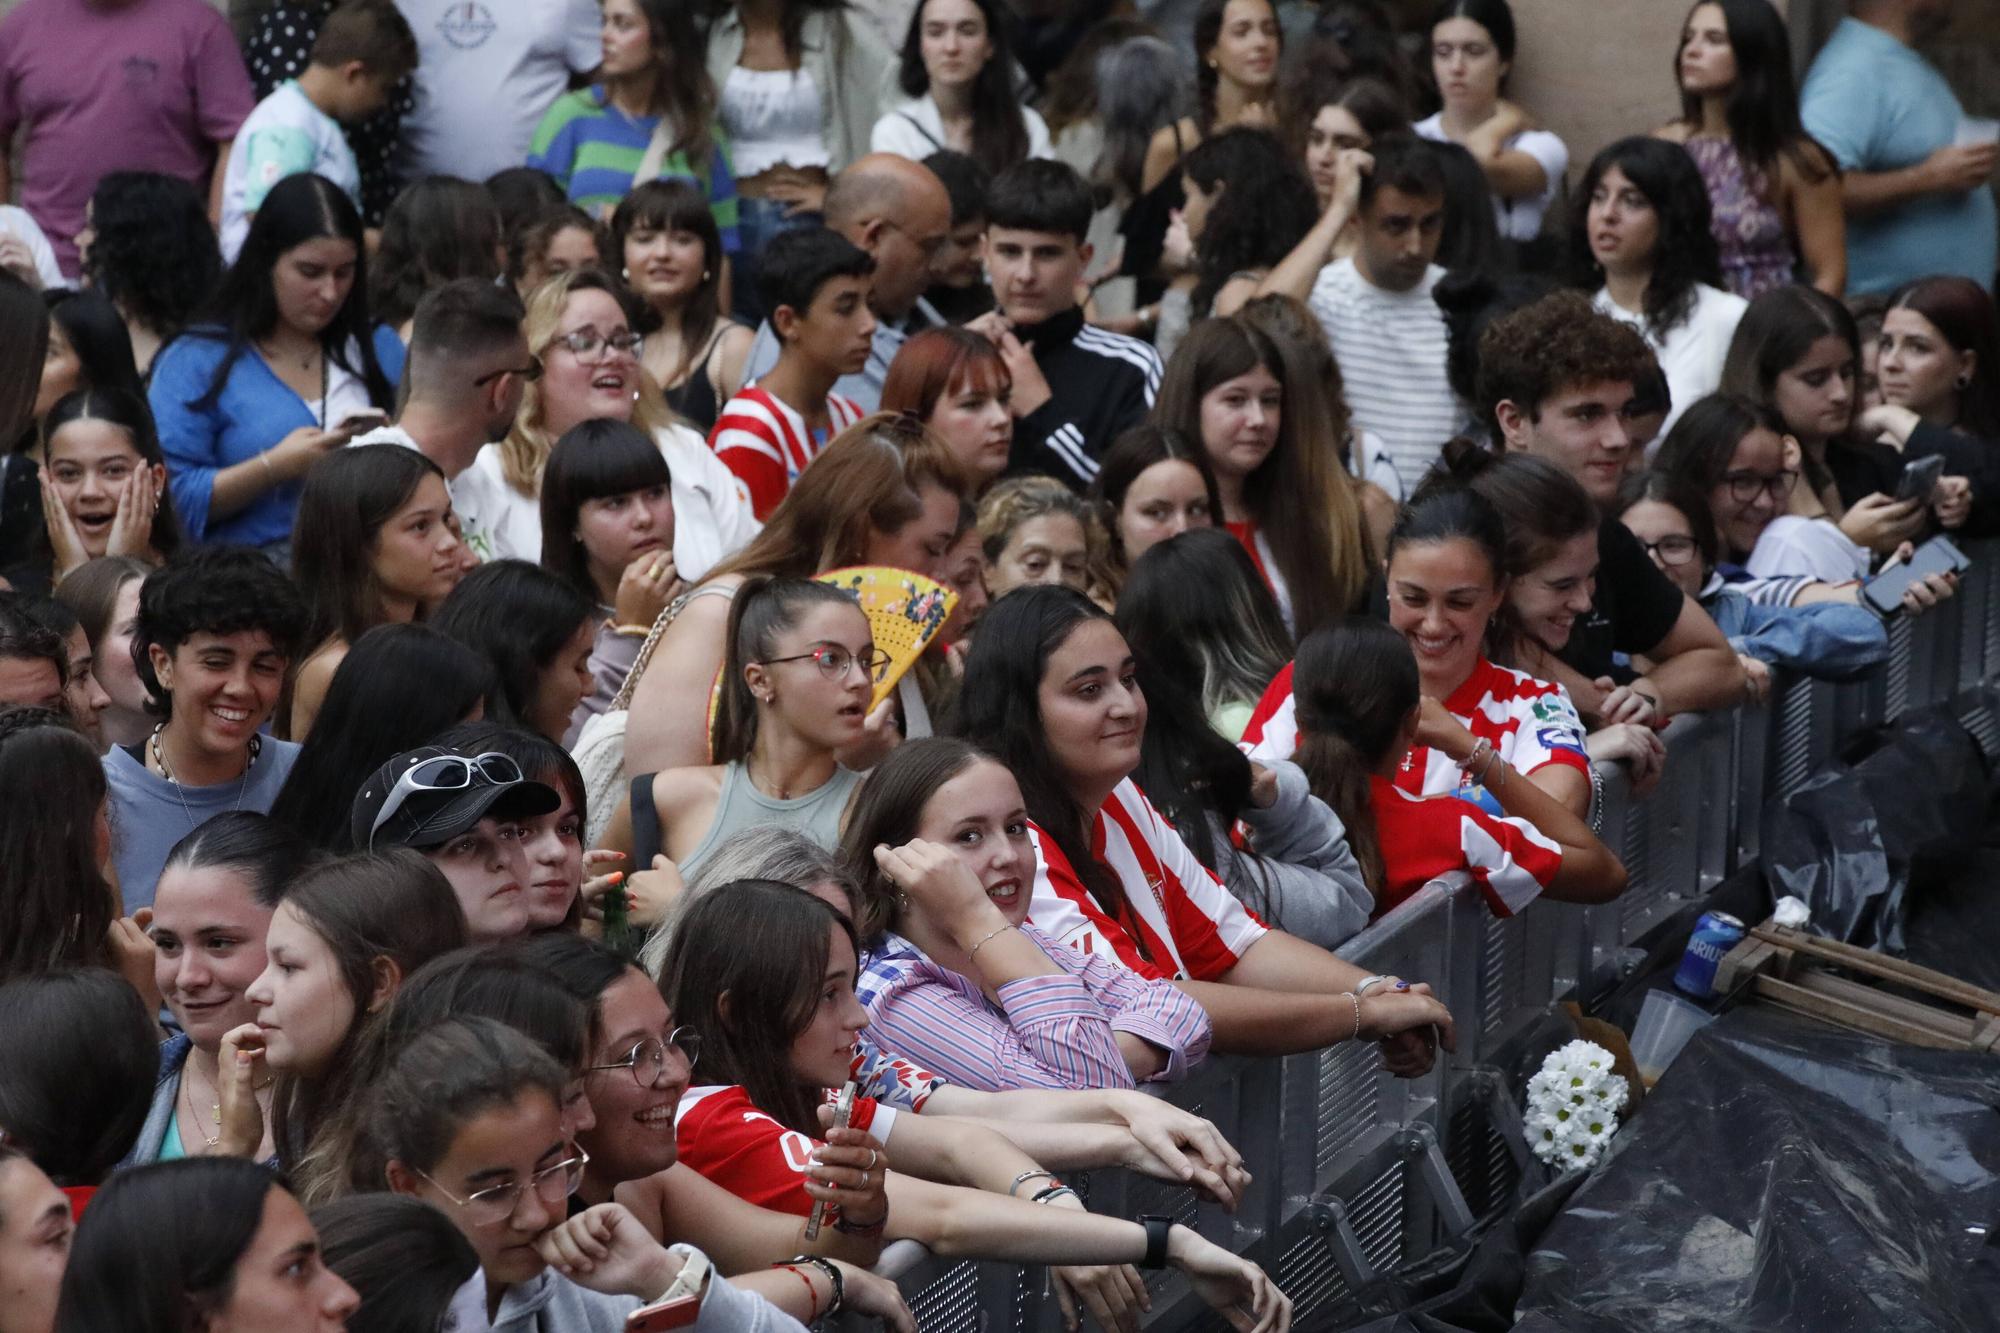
{"points": [[1714, 936]]}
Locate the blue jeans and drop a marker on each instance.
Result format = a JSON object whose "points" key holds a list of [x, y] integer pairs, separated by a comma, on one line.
{"points": [[757, 221]]}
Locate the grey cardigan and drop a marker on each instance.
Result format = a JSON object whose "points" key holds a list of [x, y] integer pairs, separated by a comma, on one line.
{"points": [[1311, 885]]}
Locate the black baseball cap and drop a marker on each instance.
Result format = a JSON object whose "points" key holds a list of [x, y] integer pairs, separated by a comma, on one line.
{"points": [[425, 818]]}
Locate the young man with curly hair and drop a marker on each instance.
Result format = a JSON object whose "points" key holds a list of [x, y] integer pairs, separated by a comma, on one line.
{"points": [[1556, 379]]}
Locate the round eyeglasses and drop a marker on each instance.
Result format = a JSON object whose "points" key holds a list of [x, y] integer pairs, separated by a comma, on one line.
{"points": [[552, 1185], [833, 660], [648, 1060]]}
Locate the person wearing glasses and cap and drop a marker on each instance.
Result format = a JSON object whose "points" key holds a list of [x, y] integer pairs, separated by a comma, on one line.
{"points": [[462, 812], [797, 681], [468, 366]]}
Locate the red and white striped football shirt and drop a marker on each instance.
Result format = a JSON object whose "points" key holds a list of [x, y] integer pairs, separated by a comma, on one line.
{"points": [[766, 443], [1191, 926], [1423, 837]]}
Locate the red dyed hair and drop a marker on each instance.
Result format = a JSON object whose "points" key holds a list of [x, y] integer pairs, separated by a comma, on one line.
{"points": [[937, 362]]}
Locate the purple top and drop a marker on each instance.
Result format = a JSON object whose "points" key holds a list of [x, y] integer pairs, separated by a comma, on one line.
{"points": [[1749, 231], [150, 85], [1056, 1031]]}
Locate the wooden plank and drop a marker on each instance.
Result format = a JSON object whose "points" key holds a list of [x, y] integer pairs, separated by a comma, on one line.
{"points": [[1827, 1009], [1953, 1026], [1902, 971]]}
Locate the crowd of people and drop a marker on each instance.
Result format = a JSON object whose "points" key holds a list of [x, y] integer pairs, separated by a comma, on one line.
{"points": [[428, 744]]}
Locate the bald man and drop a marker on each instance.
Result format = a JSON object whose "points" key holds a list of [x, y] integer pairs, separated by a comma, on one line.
{"points": [[897, 211]]}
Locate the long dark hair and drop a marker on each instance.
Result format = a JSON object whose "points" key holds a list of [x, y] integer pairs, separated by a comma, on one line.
{"points": [[129, 413], [999, 130], [999, 710], [1777, 330], [372, 713], [772, 977], [1763, 107], [1292, 513], [1207, 33], [24, 322], [888, 812], [298, 209], [1445, 509], [153, 251], [97, 334], [440, 228], [520, 616], [81, 1059], [1691, 504], [762, 609], [1353, 686], [1205, 630], [392, 905], [1697, 450], [682, 90], [1540, 505], [592, 461], [193, 1219], [348, 496], [1684, 255], [53, 895], [675, 205], [404, 1258], [1963, 312], [1266, 207], [444, 1076]]}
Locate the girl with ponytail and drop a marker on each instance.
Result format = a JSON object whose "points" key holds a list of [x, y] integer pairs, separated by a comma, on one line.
{"points": [[1360, 709], [796, 682]]}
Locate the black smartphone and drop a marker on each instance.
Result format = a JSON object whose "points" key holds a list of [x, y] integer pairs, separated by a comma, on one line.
{"points": [[1885, 590], [1920, 478]]}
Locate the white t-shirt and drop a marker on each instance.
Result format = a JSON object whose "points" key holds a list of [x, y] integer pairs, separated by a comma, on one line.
{"points": [[711, 517], [1520, 217], [915, 129], [286, 135], [1810, 546], [473, 497], [1694, 350], [1391, 349], [487, 70], [21, 224]]}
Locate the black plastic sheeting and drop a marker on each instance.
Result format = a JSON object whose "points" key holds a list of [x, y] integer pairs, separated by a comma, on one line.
{"points": [[1785, 1175], [1852, 840]]}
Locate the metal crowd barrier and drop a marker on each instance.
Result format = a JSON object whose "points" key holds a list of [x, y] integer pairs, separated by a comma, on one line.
{"points": [[1358, 1175]]}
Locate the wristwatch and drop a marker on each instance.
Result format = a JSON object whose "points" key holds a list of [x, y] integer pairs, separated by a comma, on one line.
{"points": [[694, 1272], [1157, 1228]]}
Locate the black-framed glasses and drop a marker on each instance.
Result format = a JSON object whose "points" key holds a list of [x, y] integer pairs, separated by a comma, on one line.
{"points": [[834, 660], [445, 772], [648, 1060], [552, 1185], [1672, 550], [588, 344], [1744, 487], [530, 372]]}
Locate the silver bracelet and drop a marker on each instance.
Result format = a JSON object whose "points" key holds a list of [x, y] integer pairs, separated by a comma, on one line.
{"points": [[1356, 1036]]}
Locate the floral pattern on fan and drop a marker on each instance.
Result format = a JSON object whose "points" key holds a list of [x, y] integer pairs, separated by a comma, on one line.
{"points": [[905, 613]]}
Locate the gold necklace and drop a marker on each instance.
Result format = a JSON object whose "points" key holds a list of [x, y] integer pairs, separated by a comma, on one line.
{"points": [[214, 1105]]}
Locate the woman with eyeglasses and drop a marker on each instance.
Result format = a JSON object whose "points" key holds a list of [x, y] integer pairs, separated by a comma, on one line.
{"points": [[1817, 629], [1746, 466], [580, 326], [468, 1118], [880, 493], [797, 682]]}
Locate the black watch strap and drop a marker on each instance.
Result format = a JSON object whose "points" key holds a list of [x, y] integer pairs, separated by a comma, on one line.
{"points": [[1157, 1228]]}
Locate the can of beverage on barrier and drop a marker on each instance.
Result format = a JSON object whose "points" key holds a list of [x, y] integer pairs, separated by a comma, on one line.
{"points": [[1714, 936]]}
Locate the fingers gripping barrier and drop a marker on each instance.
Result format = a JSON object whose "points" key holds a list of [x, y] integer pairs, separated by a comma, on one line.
{"points": [[1358, 1175]]}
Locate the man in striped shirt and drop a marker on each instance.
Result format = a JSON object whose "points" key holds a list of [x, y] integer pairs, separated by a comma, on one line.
{"points": [[1076, 387], [1385, 330], [814, 281]]}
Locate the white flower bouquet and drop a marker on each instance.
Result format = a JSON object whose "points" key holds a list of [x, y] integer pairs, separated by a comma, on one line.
{"points": [[1573, 1105]]}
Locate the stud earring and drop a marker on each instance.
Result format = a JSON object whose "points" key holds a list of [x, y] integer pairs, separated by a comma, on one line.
{"points": [[705, 275], [1964, 381]]}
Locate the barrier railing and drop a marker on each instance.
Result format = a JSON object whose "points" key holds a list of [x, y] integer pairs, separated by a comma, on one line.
{"points": [[1357, 1174]]}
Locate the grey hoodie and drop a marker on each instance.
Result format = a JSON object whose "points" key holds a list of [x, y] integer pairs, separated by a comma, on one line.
{"points": [[552, 1303]]}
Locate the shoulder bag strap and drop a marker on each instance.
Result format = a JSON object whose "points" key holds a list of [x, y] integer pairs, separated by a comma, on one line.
{"points": [[623, 699]]}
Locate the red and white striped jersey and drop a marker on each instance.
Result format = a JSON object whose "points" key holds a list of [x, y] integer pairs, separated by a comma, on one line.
{"points": [[725, 1137], [766, 443], [1190, 925], [1423, 837], [1530, 722]]}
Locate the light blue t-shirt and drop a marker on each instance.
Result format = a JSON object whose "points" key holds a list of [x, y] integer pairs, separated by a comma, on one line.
{"points": [[149, 814], [1879, 106]]}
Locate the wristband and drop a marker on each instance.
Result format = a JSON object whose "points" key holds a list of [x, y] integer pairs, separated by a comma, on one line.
{"points": [[1157, 1228], [812, 1297], [832, 1271], [688, 1282], [1054, 1192], [1366, 982], [1037, 1174], [270, 473], [864, 1230]]}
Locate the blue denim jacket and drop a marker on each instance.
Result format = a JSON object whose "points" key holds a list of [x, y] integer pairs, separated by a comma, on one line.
{"points": [[1829, 640]]}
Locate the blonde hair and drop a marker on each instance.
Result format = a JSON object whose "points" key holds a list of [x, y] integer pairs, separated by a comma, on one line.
{"points": [[1017, 500], [525, 451]]}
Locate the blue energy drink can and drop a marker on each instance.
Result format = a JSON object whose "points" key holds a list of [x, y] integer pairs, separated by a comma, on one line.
{"points": [[1714, 935]]}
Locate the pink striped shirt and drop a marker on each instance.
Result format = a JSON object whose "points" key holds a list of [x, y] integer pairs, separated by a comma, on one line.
{"points": [[1055, 1031]]}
